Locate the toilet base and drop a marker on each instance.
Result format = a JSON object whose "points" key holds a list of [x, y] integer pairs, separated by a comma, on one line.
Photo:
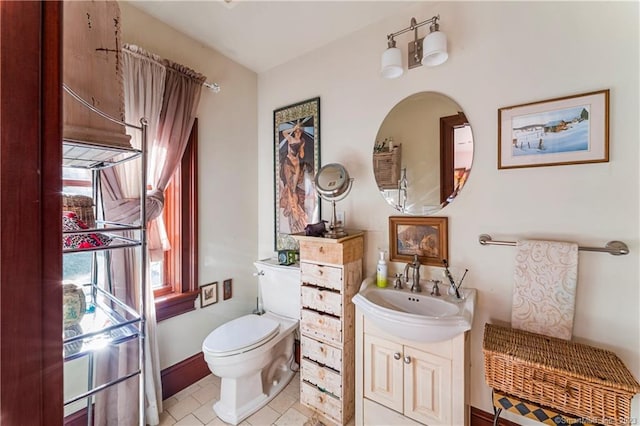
{"points": [[233, 411]]}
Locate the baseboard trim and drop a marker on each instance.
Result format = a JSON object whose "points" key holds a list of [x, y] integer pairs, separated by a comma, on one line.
{"points": [[183, 374], [482, 418]]}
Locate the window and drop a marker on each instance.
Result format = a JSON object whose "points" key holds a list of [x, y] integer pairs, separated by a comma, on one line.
{"points": [[175, 278]]}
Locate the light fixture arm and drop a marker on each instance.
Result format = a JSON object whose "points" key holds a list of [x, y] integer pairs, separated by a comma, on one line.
{"points": [[414, 26]]}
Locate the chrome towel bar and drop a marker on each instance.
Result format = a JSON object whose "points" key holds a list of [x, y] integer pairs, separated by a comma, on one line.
{"points": [[616, 248]]}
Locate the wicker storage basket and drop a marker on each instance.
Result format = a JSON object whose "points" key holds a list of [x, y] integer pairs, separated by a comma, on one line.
{"points": [[386, 168], [82, 206], [574, 378]]}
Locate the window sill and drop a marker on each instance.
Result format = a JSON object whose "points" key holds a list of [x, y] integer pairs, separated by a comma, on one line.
{"points": [[173, 305]]}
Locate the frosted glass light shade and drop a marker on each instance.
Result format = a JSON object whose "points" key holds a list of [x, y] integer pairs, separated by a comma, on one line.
{"points": [[392, 63], [434, 49]]}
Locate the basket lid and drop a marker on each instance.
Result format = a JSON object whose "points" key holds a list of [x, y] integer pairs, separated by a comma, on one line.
{"points": [[576, 360]]}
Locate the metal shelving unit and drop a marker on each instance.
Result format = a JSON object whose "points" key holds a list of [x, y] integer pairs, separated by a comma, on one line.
{"points": [[108, 321]]}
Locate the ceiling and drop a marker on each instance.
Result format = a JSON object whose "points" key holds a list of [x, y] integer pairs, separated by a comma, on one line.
{"points": [[262, 34]]}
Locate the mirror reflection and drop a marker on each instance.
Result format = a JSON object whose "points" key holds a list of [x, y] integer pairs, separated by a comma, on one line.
{"points": [[423, 153]]}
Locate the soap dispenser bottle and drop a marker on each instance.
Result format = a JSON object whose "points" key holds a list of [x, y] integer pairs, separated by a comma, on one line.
{"points": [[381, 271]]}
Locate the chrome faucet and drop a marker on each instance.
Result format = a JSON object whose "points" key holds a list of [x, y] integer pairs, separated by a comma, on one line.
{"points": [[415, 265]]}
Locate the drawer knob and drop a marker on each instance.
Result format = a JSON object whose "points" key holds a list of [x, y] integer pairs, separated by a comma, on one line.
{"points": [[322, 349], [320, 296], [321, 249], [396, 355], [407, 360]]}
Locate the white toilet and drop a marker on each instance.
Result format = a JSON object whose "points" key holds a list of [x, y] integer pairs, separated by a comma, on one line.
{"points": [[254, 354]]}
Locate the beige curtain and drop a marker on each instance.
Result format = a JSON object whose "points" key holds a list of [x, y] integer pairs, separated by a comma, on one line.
{"points": [[167, 95], [179, 104]]}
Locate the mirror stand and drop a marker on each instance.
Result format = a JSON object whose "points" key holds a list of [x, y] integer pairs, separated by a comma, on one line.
{"points": [[335, 226]]}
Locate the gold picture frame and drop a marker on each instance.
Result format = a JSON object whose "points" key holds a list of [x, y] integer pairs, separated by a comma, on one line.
{"points": [[555, 132], [425, 236]]}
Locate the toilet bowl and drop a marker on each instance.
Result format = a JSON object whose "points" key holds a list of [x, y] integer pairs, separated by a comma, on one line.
{"points": [[254, 354]]}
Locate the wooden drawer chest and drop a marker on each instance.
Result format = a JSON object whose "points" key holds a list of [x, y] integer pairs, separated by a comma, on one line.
{"points": [[331, 273]]}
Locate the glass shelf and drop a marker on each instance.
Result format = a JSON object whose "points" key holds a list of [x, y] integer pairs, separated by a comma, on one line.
{"points": [[109, 229], [108, 321], [95, 156]]}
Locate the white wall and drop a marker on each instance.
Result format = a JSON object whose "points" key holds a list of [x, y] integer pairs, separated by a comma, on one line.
{"points": [[501, 54], [227, 196]]}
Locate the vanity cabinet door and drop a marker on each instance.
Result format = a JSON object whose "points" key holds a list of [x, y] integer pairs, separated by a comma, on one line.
{"points": [[383, 364], [427, 387]]}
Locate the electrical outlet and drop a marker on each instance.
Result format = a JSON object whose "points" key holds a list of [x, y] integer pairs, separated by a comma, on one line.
{"points": [[340, 217]]}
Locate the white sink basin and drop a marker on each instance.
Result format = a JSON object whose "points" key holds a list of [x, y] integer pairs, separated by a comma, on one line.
{"points": [[416, 316]]}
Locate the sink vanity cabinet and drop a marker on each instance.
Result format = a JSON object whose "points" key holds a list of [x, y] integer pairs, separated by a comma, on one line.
{"points": [[404, 382], [331, 272]]}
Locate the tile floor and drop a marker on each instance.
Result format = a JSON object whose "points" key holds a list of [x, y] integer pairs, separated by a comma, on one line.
{"points": [[193, 407]]}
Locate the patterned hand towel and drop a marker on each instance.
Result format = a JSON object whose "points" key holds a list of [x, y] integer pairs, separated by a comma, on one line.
{"points": [[545, 286]]}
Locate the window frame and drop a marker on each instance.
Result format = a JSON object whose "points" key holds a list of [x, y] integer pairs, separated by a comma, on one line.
{"points": [[180, 266]]}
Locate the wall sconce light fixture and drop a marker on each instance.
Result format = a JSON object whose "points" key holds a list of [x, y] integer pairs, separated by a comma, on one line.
{"points": [[430, 50]]}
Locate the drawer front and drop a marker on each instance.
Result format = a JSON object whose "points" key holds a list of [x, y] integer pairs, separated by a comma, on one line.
{"points": [[321, 353], [322, 299], [321, 401], [319, 325], [322, 377], [322, 250], [321, 275]]}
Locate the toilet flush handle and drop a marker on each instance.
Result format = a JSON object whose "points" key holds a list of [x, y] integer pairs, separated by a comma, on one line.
{"points": [[259, 273]]}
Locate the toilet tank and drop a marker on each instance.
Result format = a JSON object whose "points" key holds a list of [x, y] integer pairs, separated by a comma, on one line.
{"points": [[279, 287]]}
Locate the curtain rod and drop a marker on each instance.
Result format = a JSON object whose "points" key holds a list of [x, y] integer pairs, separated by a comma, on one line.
{"points": [[615, 248]]}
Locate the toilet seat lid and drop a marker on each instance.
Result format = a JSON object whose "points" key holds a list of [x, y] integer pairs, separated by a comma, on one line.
{"points": [[240, 333]]}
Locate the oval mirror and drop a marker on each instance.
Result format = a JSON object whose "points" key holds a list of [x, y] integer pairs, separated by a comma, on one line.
{"points": [[423, 153]]}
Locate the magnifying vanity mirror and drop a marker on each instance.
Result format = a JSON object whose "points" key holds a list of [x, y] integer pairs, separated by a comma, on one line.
{"points": [[423, 153], [333, 184]]}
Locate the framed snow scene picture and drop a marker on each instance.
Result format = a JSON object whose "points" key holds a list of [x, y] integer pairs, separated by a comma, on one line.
{"points": [[554, 132]]}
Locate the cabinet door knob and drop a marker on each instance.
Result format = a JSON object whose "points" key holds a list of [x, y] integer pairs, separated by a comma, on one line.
{"points": [[396, 355], [407, 359]]}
